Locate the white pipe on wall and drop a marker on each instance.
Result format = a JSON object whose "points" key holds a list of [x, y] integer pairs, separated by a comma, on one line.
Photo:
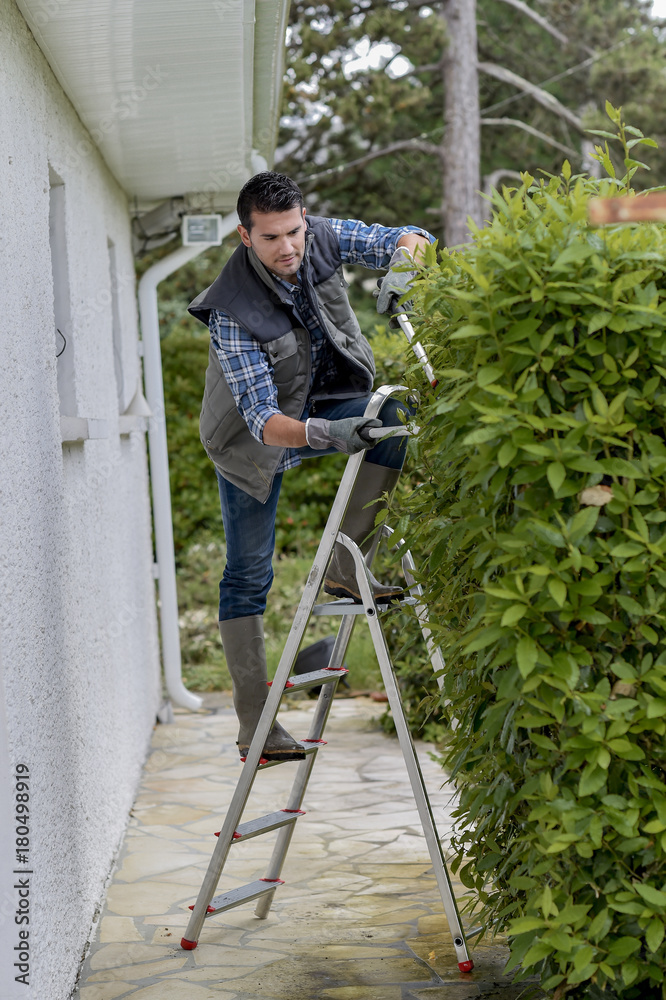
{"points": [[159, 463]]}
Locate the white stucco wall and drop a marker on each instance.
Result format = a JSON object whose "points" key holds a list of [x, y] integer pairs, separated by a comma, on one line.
{"points": [[78, 633]]}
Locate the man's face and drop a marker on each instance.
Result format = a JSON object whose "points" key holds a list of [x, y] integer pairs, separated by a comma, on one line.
{"points": [[278, 239]]}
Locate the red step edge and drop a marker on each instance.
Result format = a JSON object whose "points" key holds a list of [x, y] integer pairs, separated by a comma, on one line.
{"points": [[278, 881], [289, 684]]}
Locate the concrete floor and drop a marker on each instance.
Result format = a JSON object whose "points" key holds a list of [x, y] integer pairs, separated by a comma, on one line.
{"points": [[359, 917]]}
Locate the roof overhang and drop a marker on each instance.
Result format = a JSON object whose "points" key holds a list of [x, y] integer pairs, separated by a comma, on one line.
{"points": [[181, 97]]}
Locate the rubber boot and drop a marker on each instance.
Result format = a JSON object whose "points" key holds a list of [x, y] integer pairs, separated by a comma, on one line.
{"points": [[372, 482], [243, 642]]}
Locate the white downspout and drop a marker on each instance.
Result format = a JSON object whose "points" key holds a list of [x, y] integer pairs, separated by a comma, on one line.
{"points": [[159, 463]]}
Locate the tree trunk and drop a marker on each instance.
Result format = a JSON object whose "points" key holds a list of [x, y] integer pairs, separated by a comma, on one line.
{"points": [[460, 149]]}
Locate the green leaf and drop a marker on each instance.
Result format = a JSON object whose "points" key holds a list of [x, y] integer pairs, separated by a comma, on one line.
{"points": [[629, 971], [486, 638], [513, 614], [623, 947], [592, 779], [556, 475], [583, 957], [470, 330], [521, 925], [601, 133], [548, 908], [526, 655], [558, 590], [583, 523], [573, 912], [651, 895], [627, 549], [600, 925], [621, 467], [537, 952], [454, 374], [562, 941], [594, 617], [598, 321], [481, 435], [654, 934], [506, 454], [488, 374], [648, 633], [629, 604], [502, 593], [656, 708], [575, 254]]}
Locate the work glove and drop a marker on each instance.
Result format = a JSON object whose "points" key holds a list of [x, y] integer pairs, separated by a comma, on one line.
{"points": [[395, 284], [344, 435]]}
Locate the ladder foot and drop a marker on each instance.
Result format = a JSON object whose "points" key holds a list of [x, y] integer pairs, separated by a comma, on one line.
{"points": [[466, 966], [188, 945]]}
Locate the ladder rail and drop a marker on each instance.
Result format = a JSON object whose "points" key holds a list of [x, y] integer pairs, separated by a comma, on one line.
{"points": [[420, 608], [287, 660], [299, 788], [411, 758], [266, 891]]}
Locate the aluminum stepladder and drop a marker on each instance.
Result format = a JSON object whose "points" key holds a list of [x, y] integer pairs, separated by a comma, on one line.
{"points": [[235, 832]]}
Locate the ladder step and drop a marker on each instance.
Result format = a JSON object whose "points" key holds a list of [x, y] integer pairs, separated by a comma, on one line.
{"points": [[264, 824], [308, 747], [300, 682], [346, 606], [243, 894]]}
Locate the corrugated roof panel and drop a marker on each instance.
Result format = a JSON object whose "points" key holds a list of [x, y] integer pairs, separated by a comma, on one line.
{"points": [[166, 88]]}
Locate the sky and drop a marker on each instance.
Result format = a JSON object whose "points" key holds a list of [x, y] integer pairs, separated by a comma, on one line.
{"points": [[659, 8]]}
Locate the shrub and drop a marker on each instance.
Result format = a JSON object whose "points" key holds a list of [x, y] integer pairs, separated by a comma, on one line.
{"points": [[194, 496], [543, 519]]}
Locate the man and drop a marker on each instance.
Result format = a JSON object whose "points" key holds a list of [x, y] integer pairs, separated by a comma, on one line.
{"points": [[289, 377]]}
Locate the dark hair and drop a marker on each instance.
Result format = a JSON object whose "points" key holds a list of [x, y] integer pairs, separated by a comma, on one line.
{"points": [[267, 192]]}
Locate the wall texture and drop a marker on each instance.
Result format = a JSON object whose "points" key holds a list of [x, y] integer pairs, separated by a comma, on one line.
{"points": [[78, 632]]}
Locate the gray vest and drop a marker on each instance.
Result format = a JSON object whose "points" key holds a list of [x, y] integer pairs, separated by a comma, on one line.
{"points": [[246, 291]]}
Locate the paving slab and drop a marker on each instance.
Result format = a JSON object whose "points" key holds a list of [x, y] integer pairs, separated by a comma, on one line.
{"points": [[359, 918]]}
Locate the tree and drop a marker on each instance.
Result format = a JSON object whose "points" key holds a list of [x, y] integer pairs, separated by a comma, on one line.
{"points": [[460, 148], [370, 137]]}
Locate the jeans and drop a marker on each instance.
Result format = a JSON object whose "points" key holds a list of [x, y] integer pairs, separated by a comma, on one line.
{"points": [[249, 525]]}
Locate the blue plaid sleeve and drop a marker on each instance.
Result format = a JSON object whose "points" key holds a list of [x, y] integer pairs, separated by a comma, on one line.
{"points": [[371, 246], [247, 371]]}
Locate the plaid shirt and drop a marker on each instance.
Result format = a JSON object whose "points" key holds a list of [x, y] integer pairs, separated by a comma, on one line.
{"points": [[246, 368]]}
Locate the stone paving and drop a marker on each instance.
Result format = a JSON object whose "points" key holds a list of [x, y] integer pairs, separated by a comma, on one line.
{"points": [[359, 917]]}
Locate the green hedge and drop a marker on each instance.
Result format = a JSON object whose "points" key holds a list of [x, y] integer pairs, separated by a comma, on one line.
{"points": [[543, 516]]}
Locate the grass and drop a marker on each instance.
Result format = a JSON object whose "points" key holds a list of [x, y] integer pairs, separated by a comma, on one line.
{"points": [[204, 666]]}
